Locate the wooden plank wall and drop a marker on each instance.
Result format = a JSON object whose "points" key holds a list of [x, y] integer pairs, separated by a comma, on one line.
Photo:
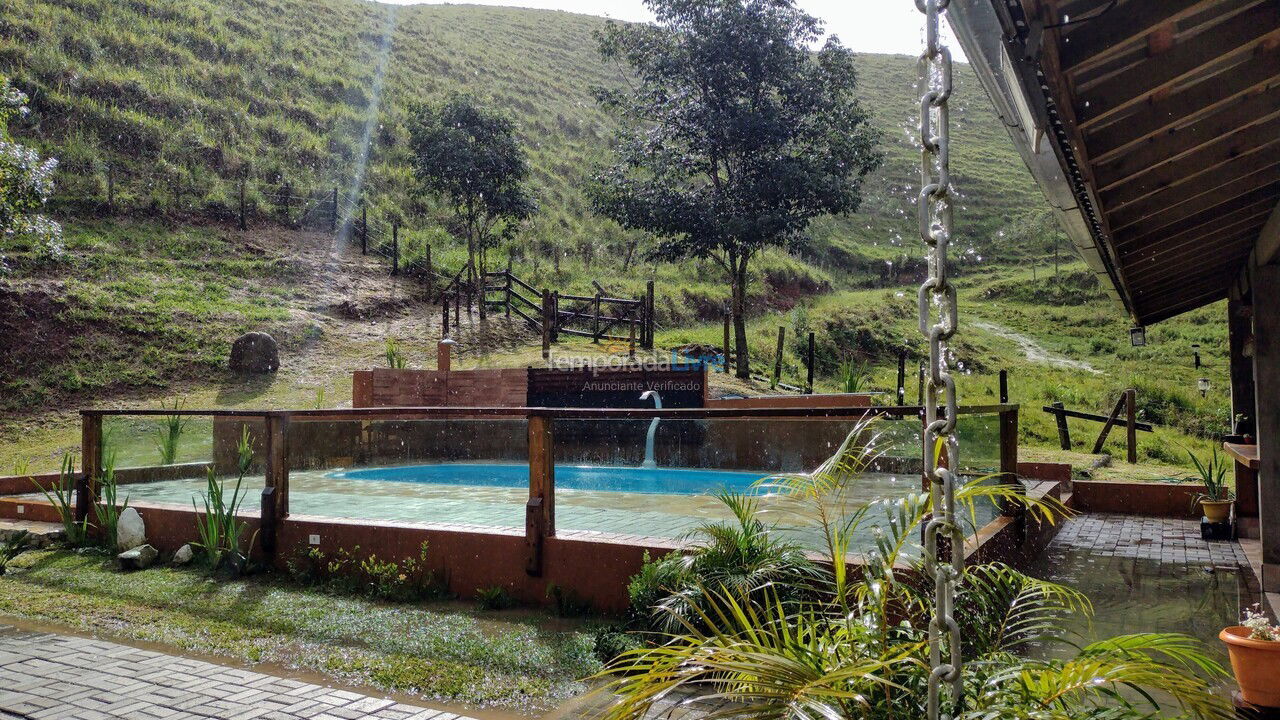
{"points": [[385, 387]]}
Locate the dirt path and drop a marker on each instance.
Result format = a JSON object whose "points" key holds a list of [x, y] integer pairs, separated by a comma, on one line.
{"points": [[1034, 351]]}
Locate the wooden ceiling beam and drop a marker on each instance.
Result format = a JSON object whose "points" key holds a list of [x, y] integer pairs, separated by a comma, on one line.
{"points": [[1216, 228], [1187, 139], [1167, 311], [1157, 118], [1155, 273], [1174, 221], [1237, 35], [1173, 174], [1225, 181], [1173, 244], [1095, 41], [1194, 288]]}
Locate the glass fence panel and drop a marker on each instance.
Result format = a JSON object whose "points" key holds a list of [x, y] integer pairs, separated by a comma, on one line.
{"points": [[666, 480], [171, 460], [457, 471], [979, 438]]}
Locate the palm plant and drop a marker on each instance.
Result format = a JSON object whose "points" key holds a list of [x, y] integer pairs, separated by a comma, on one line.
{"points": [[169, 433], [395, 357], [1213, 475], [219, 528], [856, 647], [62, 496], [854, 375], [106, 512]]}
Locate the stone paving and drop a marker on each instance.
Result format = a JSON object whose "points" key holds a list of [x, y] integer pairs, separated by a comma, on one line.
{"points": [[46, 676], [1169, 541]]}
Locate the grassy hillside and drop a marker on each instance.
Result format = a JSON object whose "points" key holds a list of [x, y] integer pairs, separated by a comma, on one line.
{"points": [[170, 102]]}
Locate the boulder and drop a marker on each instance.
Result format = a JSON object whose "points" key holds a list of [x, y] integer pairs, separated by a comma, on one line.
{"points": [[255, 352], [130, 530], [184, 555], [139, 558]]}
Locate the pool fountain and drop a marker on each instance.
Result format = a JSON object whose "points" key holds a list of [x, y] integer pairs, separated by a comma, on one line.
{"points": [[649, 461]]}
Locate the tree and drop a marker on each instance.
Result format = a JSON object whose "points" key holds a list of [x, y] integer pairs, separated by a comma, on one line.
{"points": [[26, 181], [734, 134], [470, 157]]}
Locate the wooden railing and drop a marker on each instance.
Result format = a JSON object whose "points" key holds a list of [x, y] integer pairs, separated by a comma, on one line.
{"points": [[540, 506], [552, 313]]}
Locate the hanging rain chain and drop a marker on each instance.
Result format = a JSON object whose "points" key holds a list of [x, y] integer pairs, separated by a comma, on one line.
{"points": [[937, 293]]}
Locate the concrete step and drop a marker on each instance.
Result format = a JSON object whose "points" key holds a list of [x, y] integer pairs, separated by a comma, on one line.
{"points": [[41, 533]]}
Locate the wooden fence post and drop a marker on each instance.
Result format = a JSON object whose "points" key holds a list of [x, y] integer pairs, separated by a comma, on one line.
{"points": [[1004, 386], [726, 340], [90, 464], [1064, 433], [275, 494], [1111, 421], [809, 362], [1009, 456], [364, 229], [555, 315], [540, 511], [777, 357], [902, 377], [648, 332], [547, 323], [508, 309], [631, 339], [395, 248], [444, 303], [595, 320], [333, 216], [1131, 414], [457, 310]]}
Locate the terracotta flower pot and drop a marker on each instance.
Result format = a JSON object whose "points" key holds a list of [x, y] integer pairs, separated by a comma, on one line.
{"points": [[1256, 664], [1216, 510]]}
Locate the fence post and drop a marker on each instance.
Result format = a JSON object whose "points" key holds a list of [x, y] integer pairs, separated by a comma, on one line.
{"points": [[1131, 414], [333, 216], [90, 464], [595, 320], [457, 309], [1064, 433], [364, 229], [920, 383], [275, 495], [548, 310], [1009, 463], [809, 363], [395, 248], [540, 511], [631, 340], [726, 340], [777, 357], [648, 332], [555, 316], [508, 309], [444, 303], [1004, 386], [902, 377], [1111, 421]]}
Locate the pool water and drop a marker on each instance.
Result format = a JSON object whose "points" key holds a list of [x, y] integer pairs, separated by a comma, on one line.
{"points": [[661, 503]]}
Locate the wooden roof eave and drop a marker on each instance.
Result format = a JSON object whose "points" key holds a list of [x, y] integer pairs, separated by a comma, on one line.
{"points": [[990, 39]]}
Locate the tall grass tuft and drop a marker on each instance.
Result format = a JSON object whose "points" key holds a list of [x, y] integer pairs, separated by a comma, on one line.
{"points": [[395, 357], [219, 529], [105, 511], [12, 548], [63, 497], [169, 434], [855, 376]]}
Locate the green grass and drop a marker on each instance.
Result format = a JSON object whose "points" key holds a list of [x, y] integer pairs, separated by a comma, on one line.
{"points": [[445, 651]]}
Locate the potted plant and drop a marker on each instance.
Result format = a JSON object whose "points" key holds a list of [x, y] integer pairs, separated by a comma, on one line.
{"points": [[1215, 501], [1254, 647]]}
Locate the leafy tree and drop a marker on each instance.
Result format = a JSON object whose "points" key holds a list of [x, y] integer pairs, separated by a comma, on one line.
{"points": [[734, 135], [471, 158], [26, 181]]}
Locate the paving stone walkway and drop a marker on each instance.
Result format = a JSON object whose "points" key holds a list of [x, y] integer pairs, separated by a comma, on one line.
{"points": [[1167, 540], [46, 676]]}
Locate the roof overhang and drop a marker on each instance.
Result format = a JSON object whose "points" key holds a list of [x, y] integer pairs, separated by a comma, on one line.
{"points": [[1154, 132]]}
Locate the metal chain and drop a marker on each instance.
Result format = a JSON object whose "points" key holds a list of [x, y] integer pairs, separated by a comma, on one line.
{"points": [[937, 293]]}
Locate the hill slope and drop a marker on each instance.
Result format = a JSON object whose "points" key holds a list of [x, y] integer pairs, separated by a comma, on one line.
{"points": [[169, 102]]}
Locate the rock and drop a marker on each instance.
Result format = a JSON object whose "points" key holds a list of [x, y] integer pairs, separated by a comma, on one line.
{"points": [[130, 530], [184, 555], [255, 352], [139, 558]]}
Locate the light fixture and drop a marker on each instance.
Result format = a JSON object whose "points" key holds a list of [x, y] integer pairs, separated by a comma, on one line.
{"points": [[1203, 385], [1138, 336]]}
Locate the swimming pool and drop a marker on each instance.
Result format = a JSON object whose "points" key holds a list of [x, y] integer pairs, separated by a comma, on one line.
{"points": [[603, 478]]}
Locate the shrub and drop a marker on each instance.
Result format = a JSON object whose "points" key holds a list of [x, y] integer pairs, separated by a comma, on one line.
{"points": [[494, 598], [219, 528], [62, 497], [12, 548]]}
